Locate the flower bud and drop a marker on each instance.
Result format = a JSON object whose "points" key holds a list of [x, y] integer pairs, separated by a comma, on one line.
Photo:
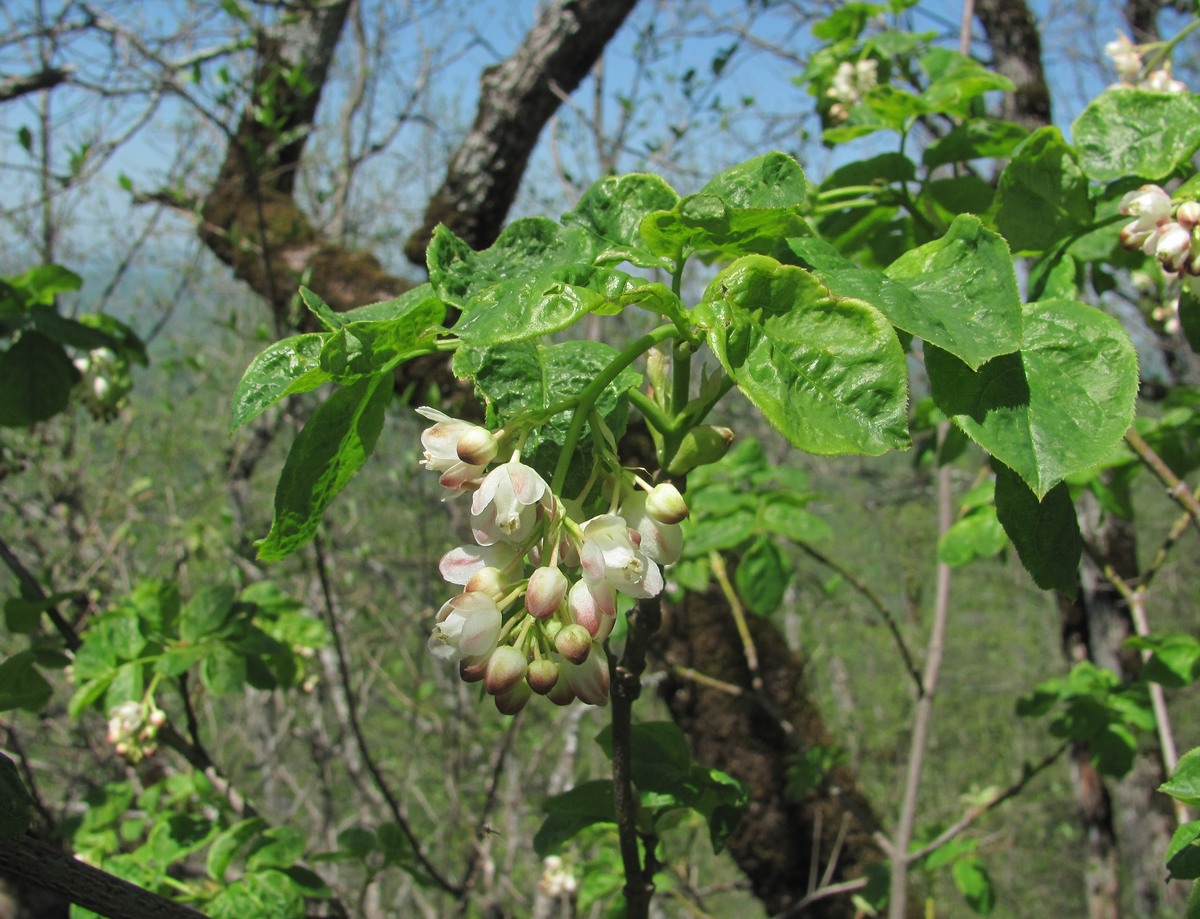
{"points": [[543, 597], [477, 446], [513, 700], [665, 504], [472, 669], [542, 676], [489, 581], [1174, 246], [562, 693], [574, 643], [505, 669], [594, 608], [1188, 214], [589, 680], [700, 446]]}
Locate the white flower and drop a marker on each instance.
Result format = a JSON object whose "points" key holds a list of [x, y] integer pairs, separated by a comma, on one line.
{"points": [[1151, 206], [505, 506], [441, 448], [853, 80], [609, 554], [467, 626], [1161, 81], [459, 565], [593, 606], [1125, 57], [663, 542], [589, 680], [1173, 246]]}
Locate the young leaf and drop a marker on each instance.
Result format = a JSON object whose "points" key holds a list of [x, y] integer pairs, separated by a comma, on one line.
{"points": [[1183, 854], [22, 684], [1058, 407], [375, 346], [333, 445], [762, 576], [289, 366], [614, 207], [205, 612], [1184, 783], [1045, 533], [973, 883], [1129, 132], [829, 374], [322, 311]]}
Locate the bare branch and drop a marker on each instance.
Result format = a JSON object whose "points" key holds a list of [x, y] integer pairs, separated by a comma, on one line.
{"points": [[15, 87]]}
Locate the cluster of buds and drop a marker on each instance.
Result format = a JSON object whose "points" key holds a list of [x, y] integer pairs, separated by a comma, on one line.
{"points": [[133, 729], [1127, 60], [98, 389], [1166, 232], [557, 879], [852, 81], [539, 586]]}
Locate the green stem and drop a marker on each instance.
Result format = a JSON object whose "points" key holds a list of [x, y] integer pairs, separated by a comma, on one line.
{"points": [[587, 398], [650, 410]]}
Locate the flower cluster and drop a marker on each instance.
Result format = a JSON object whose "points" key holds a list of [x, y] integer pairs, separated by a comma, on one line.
{"points": [[1127, 60], [133, 728], [1168, 233], [539, 585], [102, 387], [851, 82]]}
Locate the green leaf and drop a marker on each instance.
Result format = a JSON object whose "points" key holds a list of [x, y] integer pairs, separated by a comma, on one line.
{"points": [[1129, 132], [22, 684], [1043, 193], [525, 248], [42, 284], [785, 516], [965, 298], [973, 883], [223, 671], [956, 80], [566, 814], [1174, 658], [16, 804], [762, 576], [1183, 854], [36, 377], [260, 893], [977, 535], [206, 612], [829, 374], [333, 445], [322, 311], [226, 846], [287, 367], [614, 207], [1184, 783], [773, 180], [976, 138], [524, 378], [278, 847], [1058, 407], [376, 346], [1045, 533], [529, 307]]}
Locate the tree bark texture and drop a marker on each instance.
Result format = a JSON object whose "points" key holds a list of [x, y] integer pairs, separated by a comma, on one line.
{"points": [[517, 98], [782, 843], [1016, 44]]}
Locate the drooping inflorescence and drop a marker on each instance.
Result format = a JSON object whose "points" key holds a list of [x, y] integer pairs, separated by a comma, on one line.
{"points": [[540, 584], [1167, 232]]}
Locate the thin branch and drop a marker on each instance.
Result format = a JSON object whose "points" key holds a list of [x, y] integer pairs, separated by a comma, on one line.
{"points": [[48, 78], [1176, 489], [923, 716], [360, 738], [739, 618], [496, 768], [31, 587], [871, 597]]}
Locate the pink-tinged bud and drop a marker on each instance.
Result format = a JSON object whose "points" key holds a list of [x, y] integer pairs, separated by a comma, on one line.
{"points": [[1188, 214], [547, 588], [513, 700], [477, 447], [488, 581], [1174, 246], [542, 676], [505, 669], [472, 669], [593, 606], [665, 504], [590, 679], [574, 643], [562, 693]]}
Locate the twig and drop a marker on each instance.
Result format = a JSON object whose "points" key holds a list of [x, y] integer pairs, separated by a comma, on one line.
{"points": [[356, 728], [497, 771], [1176, 489], [871, 597], [821, 893], [732, 689], [923, 716], [739, 617], [30, 585]]}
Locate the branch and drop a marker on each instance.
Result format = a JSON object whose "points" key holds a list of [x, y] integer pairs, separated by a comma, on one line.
{"points": [[41, 865], [1177, 490], [15, 87], [517, 98]]}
